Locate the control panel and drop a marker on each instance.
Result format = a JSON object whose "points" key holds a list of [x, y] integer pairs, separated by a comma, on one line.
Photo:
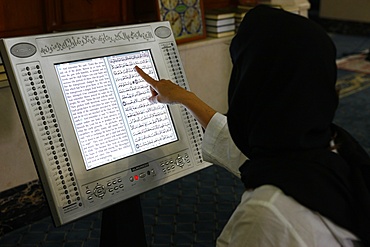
{"points": [[136, 178], [177, 74], [48, 131], [95, 138]]}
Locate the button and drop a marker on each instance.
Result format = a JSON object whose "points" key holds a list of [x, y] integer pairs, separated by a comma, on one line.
{"points": [[99, 191]]}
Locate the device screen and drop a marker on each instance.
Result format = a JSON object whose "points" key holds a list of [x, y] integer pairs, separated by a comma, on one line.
{"points": [[108, 104]]}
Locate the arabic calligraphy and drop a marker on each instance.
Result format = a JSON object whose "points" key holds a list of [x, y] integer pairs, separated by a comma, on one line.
{"points": [[150, 124], [79, 42], [108, 103]]}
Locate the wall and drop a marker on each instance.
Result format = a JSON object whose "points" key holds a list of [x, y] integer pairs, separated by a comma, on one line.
{"points": [[207, 64], [348, 10], [16, 165]]}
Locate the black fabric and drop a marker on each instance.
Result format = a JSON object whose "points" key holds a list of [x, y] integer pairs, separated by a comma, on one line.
{"points": [[282, 101], [288, 72], [359, 162]]}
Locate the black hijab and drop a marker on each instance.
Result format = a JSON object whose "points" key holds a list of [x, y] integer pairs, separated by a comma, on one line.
{"points": [[282, 101]]}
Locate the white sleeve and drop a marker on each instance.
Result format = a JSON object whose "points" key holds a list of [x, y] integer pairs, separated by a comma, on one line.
{"points": [[218, 147]]}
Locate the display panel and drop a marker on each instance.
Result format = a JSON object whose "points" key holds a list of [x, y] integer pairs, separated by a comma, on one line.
{"points": [[108, 103], [95, 138]]}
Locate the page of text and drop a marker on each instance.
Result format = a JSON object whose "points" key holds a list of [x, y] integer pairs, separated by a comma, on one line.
{"points": [[109, 107]]}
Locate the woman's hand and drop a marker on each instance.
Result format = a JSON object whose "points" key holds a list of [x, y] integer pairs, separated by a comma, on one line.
{"points": [[165, 91]]}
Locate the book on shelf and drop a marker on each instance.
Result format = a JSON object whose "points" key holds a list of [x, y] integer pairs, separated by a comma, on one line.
{"points": [[220, 22], [246, 7], [249, 7], [3, 78], [220, 29], [2, 73], [277, 2], [240, 13], [217, 14], [220, 35]]}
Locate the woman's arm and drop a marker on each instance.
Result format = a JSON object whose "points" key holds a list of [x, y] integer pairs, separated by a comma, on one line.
{"points": [[165, 91], [217, 146]]}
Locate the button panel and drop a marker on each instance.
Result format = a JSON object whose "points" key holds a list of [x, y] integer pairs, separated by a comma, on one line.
{"points": [[173, 164], [50, 135], [136, 178], [193, 128]]}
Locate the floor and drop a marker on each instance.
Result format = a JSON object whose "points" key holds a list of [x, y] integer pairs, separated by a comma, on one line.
{"points": [[193, 210], [188, 212]]}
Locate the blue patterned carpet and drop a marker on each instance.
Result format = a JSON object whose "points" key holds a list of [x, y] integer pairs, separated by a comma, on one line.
{"points": [[353, 112], [354, 115]]}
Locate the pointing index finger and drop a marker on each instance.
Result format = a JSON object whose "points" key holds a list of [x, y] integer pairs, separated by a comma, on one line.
{"points": [[145, 76]]}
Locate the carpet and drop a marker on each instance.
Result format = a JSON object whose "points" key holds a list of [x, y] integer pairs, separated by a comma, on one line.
{"points": [[355, 63], [353, 73], [353, 110], [352, 83], [353, 114]]}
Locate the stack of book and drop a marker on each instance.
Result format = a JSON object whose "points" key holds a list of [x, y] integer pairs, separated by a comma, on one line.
{"points": [[220, 22], [294, 6], [239, 15], [3, 78]]}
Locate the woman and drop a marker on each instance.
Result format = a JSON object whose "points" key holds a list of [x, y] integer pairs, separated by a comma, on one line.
{"points": [[303, 187]]}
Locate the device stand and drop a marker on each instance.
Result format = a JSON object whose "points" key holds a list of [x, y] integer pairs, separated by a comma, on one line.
{"points": [[123, 225]]}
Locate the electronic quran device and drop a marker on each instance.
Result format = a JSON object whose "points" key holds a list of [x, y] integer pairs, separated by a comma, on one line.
{"points": [[95, 138]]}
